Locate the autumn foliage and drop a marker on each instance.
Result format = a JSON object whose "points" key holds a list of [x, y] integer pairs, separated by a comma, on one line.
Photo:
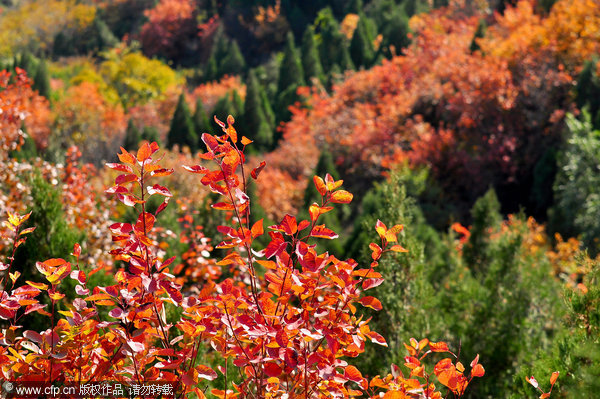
{"points": [[286, 316]]}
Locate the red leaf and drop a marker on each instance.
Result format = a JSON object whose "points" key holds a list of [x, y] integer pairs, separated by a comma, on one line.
{"points": [[272, 370], [371, 302], [289, 225], [206, 372], [353, 374], [210, 141], [196, 169], [371, 283], [321, 231], [376, 250], [256, 171], [122, 179], [120, 167], [157, 189], [161, 172]]}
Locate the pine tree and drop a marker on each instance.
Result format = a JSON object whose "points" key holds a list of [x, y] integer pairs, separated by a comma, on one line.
{"points": [[150, 134], [311, 63], [201, 120], [479, 33], [223, 108], [290, 71], [267, 109], [354, 7], [588, 90], [361, 45], [182, 128], [132, 136], [41, 81], [233, 63], [211, 71], [255, 122], [395, 32]]}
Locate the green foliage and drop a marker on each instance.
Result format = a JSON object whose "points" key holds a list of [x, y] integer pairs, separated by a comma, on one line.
{"points": [[136, 78], [290, 71], [311, 63], [133, 136], [333, 46], [91, 39], [394, 29], [361, 45], [41, 80], [485, 214], [588, 91], [233, 63], [28, 150], [182, 130], [577, 185], [479, 33], [150, 134], [256, 124], [201, 120]]}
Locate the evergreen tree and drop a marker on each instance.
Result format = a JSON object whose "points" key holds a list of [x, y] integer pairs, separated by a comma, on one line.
{"points": [[223, 108], [255, 121], [333, 46], [268, 110], [233, 63], [479, 33], [311, 63], [485, 214], [150, 134], [354, 7], [237, 103], [395, 32], [201, 120], [182, 128], [290, 71], [361, 45], [27, 62], [100, 37], [133, 137], [210, 69], [41, 81], [588, 90]]}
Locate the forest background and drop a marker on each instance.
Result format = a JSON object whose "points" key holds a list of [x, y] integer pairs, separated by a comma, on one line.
{"points": [[475, 124]]}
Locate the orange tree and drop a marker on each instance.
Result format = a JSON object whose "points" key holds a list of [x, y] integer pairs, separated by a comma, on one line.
{"points": [[285, 318]]}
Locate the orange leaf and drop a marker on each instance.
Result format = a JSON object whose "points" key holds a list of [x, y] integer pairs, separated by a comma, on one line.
{"points": [[246, 140], [371, 302], [380, 228], [144, 152], [320, 185], [126, 157], [341, 197], [478, 371], [257, 228], [439, 347], [353, 374], [398, 248], [553, 377]]}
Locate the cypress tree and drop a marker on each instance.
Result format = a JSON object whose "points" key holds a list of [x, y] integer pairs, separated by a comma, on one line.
{"points": [[354, 7], [201, 120], [237, 104], [588, 89], [255, 122], [267, 109], [223, 108], [395, 32], [361, 46], [28, 63], [211, 71], [182, 128], [333, 46], [290, 71], [311, 63], [233, 63], [132, 136], [150, 134], [41, 81], [479, 33]]}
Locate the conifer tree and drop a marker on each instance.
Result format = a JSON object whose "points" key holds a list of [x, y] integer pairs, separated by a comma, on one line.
{"points": [[201, 120], [150, 134], [361, 45], [354, 7], [290, 71], [333, 46], [133, 136], [311, 63], [479, 33], [182, 128], [233, 63], [41, 80], [588, 90], [395, 32], [267, 109], [210, 69], [255, 121]]}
